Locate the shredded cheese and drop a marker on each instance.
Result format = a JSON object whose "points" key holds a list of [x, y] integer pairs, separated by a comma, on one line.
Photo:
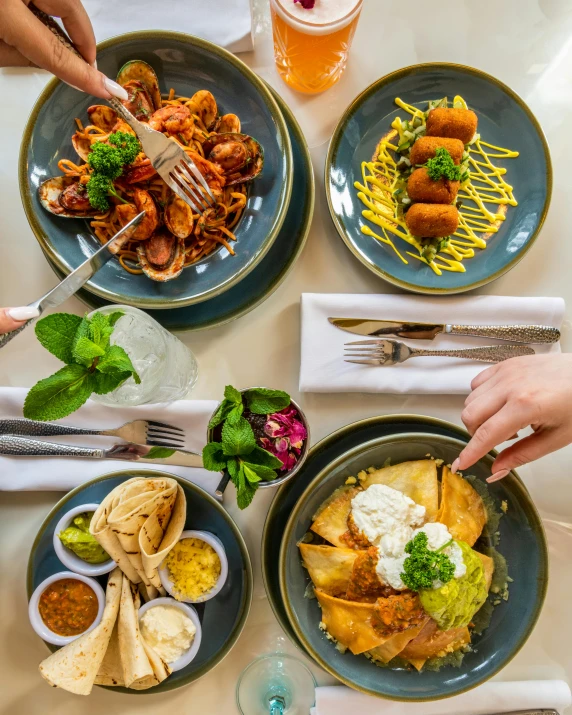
{"points": [[194, 568]]}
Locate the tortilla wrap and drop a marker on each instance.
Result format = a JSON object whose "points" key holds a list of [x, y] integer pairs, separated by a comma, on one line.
{"points": [[75, 666]]}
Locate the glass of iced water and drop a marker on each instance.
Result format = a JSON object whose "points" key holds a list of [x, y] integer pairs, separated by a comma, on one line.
{"points": [[167, 368]]}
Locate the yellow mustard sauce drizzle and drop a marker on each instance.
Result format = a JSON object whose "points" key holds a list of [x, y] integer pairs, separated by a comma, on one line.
{"points": [[486, 190]]}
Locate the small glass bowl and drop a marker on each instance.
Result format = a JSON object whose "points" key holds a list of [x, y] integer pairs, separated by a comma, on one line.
{"points": [[187, 657], [34, 612], [67, 556], [216, 544]]}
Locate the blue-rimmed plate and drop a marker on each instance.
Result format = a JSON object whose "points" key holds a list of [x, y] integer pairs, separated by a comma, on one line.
{"points": [[504, 120], [186, 64], [270, 272], [222, 618]]}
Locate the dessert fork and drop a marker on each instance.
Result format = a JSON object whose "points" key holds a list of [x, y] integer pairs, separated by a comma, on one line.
{"points": [[148, 432], [392, 352]]}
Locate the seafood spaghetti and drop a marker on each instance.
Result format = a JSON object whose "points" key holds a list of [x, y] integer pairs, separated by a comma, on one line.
{"points": [[435, 184], [172, 235]]}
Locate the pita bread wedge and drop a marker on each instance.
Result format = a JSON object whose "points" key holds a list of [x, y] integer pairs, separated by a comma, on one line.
{"points": [[462, 509], [75, 666], [349, 622], [416, 479], [332, 520], [330, 568]]}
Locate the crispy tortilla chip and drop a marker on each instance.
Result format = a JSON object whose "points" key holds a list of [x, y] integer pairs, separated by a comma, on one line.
{"points": [[462, 509], [332, 520], [488, 567], [75, 666], [433, 643], [417, 480], [388, 650], [330, 568], [349, 622]]}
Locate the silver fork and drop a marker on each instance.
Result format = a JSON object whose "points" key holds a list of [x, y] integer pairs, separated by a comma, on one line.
{"points": [[172, 164], [392, 352], [148, 432]]}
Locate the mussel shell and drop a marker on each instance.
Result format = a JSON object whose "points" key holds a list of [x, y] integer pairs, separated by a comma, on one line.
{"points": [[173, 270], [144, 73], [229, 123], [178, 217], [49, 194], [256, 152]]}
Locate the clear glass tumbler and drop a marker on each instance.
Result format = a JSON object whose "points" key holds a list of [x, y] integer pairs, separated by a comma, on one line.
{"points": [[167, 368], [311, 47]]}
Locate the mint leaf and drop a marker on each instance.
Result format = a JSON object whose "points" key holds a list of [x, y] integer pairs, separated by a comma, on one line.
{"points": [[82, 331], [232, 394], [250, 474], [238, 439], [114, 317], [116, 359], [233, 467], [264, 458], [56, 333], [235, 414], [221, 413], [262, 401], [259, 471], [60, 394], [159, 453], [100, 330], [245, 490], [213, 457], [84, 351], [104, 383]]}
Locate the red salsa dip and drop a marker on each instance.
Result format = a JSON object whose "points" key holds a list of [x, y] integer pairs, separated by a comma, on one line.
{"points": [[68, 607]]}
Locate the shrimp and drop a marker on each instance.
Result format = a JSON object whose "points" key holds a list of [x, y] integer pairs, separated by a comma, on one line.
{"points": [[173, 119], [143, 202]]}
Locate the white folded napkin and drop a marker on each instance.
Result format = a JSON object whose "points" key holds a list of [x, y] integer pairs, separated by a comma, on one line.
{"points": [[226, 22], [492, 697], [323, 368], [62, 474]]}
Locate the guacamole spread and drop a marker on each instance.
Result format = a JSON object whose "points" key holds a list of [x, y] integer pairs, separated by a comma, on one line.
{"points": [[78, 539], [454, 604]]}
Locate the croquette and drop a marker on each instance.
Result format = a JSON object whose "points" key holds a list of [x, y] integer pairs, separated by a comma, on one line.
{"points": [[425, 148], [421, 187], [432, 220], [453, 123]]}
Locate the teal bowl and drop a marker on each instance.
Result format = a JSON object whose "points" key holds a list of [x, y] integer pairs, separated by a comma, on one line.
{"points": [[522, 543], [504, 120], [187, 64], [222, 618]]}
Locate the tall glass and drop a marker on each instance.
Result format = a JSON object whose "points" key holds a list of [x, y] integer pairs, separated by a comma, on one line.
{"points": [[167, 368], [311, 47]]}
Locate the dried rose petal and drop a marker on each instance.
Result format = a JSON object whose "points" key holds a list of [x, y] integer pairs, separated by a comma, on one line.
{"points": [[306, 4]]}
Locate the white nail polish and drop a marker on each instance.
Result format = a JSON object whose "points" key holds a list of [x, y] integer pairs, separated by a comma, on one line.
{"points": [[501, 474], [116, 90], [24, 313]]}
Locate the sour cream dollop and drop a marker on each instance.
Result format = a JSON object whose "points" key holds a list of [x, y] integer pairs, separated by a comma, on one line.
{"points": [[168, 630]]}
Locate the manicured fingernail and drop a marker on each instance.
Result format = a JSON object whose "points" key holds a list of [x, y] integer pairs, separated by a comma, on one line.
{"points": [[455, 466], [498, 475], [114, 89], [23, 313]]}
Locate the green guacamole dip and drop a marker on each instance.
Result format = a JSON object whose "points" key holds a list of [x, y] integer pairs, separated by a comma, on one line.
{"points": [[455, 603], [78, 539]]}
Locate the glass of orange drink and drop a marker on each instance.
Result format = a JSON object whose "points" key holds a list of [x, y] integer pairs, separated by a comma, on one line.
{"points": [[311, 44]]}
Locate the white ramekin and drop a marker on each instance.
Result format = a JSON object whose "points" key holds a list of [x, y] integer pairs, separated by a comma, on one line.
{"points": [[34, 613], [216, 544], [67, 556], [187, 657]]}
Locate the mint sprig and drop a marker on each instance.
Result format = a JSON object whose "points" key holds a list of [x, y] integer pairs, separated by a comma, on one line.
{"points": [[237, 452], [92, 364]]}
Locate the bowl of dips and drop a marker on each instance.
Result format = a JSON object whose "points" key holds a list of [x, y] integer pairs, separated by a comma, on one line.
{"points": [[65, 606], [76, 548], [196, 568], [173, 630]]}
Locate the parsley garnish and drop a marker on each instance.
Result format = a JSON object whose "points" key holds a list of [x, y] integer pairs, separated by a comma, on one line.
{"points": [[443, 166], [106, 161], [422, 567]]}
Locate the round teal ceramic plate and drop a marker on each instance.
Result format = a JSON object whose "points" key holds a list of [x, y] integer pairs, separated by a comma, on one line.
{"points": [[359, 446], [186, 64], [222, 618], [258, 285], [504, 121]]}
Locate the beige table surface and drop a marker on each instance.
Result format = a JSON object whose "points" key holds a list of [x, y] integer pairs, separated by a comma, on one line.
{"points": [[525, 43]]}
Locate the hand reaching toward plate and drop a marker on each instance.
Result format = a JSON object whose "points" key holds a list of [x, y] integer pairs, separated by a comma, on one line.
{"points": [[25, 41], [525, 391], [12, 318]]}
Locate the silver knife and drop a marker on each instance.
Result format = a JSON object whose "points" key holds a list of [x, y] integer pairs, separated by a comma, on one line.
{"points": [[534, 711], [429, 331], [13, 446], [78, 277]]}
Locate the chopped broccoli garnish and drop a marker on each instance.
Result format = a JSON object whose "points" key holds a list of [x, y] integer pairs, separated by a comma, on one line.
{"points": [[106, 162], [442, 165], [422, 567]]}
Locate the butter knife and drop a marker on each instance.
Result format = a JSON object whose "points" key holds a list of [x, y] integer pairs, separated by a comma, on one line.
{"points": [[535, 334], [78, 277], [13, 446]]}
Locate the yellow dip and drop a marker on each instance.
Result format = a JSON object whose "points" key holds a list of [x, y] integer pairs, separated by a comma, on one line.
{"points": [[194, 568]]}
